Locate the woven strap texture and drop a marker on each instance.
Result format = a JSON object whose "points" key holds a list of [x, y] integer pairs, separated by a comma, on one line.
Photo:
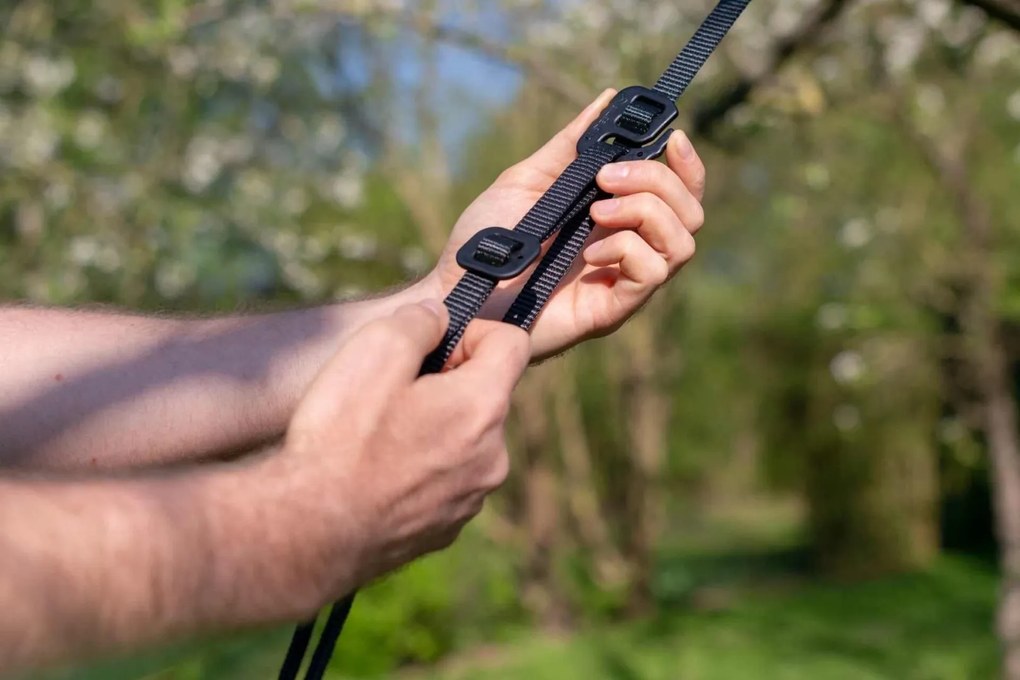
{"points": [[563, 199], [674, 82]]}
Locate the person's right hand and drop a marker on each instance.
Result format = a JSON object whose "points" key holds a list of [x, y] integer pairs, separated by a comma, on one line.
{"points": [[383, 466]]}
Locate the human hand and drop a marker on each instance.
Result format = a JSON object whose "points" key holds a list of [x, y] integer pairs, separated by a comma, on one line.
{"points": [[644, 235], [384, 466]]}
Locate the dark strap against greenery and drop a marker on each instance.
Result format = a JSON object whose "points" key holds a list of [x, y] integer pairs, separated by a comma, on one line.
{"points": [[634, 132], [681, 73], [542, 222]]}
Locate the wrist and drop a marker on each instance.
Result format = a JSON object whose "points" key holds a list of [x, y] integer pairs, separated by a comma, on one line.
{"points": [[276, 534]]}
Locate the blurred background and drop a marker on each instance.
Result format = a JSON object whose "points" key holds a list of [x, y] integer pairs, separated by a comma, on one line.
{"points": [[801, 460]]}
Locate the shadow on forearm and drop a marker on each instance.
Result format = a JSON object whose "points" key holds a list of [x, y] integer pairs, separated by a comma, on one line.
{"points": [[39, 432]]}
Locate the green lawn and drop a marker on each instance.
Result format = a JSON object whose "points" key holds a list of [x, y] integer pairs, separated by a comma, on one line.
{"points": [[931, 626]]}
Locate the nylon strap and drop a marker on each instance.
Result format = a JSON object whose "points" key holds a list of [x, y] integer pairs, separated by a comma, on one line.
{"points": [[542, 221], [562, 212]]}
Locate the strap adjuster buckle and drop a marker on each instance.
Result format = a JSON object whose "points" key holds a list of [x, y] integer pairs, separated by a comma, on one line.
{"points": [[499, 253], [617, 123]]}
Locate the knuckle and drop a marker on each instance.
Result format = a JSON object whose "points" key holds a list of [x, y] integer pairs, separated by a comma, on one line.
{"points": [[699, 177], [649, 204], [697, 217], [499, 472], [658, 174], [660, 271], [630, 241], [500, 411], [521, 348], [687, 249], [494, 413], [474, 508], [398, 341], [379, 333], [515, 174], [445, 539]]}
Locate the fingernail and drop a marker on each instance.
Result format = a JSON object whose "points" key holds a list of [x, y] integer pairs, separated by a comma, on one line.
{"points": [[684, 146], [615, 171], [434, 306], [608, 206]]}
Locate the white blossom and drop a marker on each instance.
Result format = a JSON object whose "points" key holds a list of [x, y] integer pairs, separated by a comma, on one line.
{"points": [[173, 278], [847, 367], [46, 77], [832, 316], [202, 164], [358, 246], [347, 189], [90, 129], [856, 233]]}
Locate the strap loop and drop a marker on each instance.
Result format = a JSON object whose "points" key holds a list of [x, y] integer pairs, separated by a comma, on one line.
{"points": [[637, 116], [499, 253]]}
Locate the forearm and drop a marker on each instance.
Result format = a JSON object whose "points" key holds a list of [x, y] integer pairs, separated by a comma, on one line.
{"points": [[92, 568], [84, 390]]}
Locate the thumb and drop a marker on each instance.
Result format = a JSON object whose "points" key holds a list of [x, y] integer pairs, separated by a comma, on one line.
{"points": [[559, 151], [497, 355], [407, 337], [382, 354]]}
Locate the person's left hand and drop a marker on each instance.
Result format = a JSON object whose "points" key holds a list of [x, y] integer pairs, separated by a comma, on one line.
{"points": [[643, 237]]}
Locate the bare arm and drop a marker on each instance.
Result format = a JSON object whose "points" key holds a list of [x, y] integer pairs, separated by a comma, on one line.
{"points": [[378, 468], [89, 568], [81, 391], [86, 390]]}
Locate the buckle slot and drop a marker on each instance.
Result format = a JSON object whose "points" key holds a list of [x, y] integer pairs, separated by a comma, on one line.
{"points": [[620, 125], [499, 253]]}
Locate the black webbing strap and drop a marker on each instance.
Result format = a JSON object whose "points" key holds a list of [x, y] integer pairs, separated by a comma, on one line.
{"points": [[563, 212], [542, 221], [681, 73], [673, 83], [553, 268]]}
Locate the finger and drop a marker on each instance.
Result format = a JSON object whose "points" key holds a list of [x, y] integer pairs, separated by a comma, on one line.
{"points": [[625, 179], [497, 354], [559, 151], [392, 347], [637, 260], [654, 222], [685, 162]]}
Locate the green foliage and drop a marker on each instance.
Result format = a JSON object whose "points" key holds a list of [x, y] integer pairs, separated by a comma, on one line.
{"points": [[930, 626], [424, 612]]}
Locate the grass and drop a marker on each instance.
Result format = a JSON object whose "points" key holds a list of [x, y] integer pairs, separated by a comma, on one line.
{"points": [[931, 626], [731, 606]]}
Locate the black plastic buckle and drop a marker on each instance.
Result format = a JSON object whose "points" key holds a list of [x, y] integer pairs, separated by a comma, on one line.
{"points": [[524, 251], [609, 127]]}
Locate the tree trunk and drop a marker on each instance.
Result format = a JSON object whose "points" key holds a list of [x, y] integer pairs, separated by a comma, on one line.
{"points": [[1001, 432], [872, 482], [647, 410], [542, 520], [608, 565], [988, 360]]}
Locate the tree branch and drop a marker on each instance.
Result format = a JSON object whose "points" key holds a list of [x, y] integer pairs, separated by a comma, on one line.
{"points": [[426, 25], [1004, 11], [806, 34]]}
